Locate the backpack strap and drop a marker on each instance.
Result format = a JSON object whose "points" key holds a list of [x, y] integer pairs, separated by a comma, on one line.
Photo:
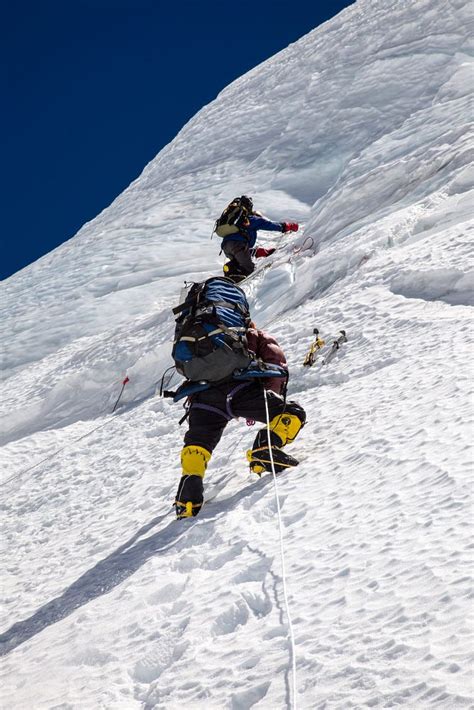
{"points": [[233, 306], [180, 308], [192, 298], [221, 304], [186, 389], [233, 332], [258, 368]]}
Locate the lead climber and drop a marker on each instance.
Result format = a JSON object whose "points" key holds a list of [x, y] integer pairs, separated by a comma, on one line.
{"points": [[238, 226]]}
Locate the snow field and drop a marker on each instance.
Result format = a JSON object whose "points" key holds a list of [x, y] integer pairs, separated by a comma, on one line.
{"points": [[360, 132]]}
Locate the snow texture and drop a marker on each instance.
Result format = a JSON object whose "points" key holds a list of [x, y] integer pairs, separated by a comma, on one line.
{"points": [[360, 131]]}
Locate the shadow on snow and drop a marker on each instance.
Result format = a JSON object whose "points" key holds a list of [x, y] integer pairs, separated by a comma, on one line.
{"points": [[114, 569]]}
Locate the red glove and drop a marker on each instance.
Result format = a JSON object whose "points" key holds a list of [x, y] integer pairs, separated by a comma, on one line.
{"points": [[260, 251], [290, 227]]}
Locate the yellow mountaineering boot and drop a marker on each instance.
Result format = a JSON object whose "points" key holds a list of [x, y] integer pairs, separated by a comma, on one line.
{"points": [[260, 460], [189, 498], [285, 428]]}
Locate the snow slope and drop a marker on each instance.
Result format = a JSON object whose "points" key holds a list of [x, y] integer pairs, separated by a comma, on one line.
{"points": [[360, 131]]}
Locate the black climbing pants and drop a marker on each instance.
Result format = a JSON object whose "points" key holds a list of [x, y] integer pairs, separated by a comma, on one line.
{"points": [[212, 409], [239, 252]]}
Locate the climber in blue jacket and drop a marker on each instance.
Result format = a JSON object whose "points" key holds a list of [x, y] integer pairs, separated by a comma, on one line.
{"points": [[239, 244]]}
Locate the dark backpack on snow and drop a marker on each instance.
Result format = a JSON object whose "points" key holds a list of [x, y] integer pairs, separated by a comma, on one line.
{"points": [[210, 337], [233, 220]]}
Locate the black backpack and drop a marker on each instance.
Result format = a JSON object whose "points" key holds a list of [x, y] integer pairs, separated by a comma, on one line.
{"points": [[234, 219], [210, 338]]}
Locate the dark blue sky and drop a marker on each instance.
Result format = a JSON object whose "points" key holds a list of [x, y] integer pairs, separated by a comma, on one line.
{"points": [[95, 88]]}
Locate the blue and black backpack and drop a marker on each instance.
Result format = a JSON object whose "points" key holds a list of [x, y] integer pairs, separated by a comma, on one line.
{"points": [[210, 341]]}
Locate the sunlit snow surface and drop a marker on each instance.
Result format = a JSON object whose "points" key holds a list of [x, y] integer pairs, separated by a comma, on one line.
{"points": [[360, 132]]}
